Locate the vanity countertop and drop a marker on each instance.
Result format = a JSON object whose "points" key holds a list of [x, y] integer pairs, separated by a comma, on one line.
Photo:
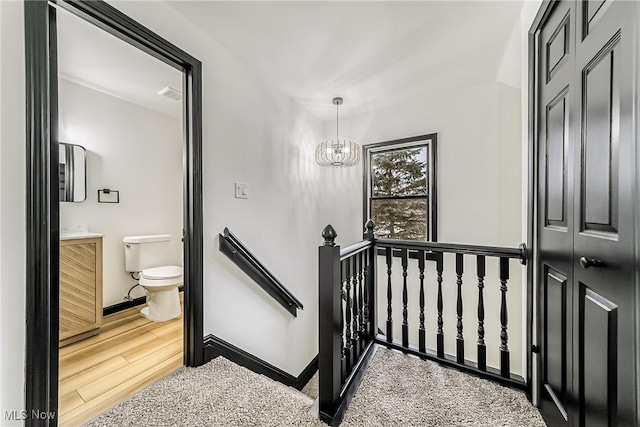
{"points": [[79, 235]]}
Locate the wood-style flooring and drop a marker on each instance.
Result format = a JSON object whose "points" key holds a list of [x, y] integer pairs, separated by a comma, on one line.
{"points": [[128, 354]]}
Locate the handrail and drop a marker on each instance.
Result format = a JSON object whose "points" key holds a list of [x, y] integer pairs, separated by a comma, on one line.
{"points": [[496, 251], [233, 248], [354, 249]]}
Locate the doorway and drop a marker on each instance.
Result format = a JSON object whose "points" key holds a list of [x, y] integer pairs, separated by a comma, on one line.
{"points": [[43, 212]]}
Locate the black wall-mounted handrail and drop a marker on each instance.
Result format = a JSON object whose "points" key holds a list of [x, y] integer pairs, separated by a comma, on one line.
{"points": [[252, 267]]}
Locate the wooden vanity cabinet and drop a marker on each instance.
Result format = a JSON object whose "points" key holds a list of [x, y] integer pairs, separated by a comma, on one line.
{"points": [[80, 289]]}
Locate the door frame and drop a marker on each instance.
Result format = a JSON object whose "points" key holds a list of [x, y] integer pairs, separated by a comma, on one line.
{"points": [[42, 219]]}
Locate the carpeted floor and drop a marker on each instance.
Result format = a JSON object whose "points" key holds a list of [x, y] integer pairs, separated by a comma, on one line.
{"points": [[397, 390], [311, 389], [219, 393], [400, 390]]}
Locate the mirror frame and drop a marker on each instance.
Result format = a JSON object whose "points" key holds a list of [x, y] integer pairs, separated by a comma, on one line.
{"points": [[68, 166], [43, 208]]}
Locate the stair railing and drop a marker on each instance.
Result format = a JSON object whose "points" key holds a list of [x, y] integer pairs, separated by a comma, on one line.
{"points": [[233, 248], [347, 316], [348, 325]]}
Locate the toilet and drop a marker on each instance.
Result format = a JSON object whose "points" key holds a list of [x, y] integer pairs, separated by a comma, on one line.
{"points": [[147, 256]]}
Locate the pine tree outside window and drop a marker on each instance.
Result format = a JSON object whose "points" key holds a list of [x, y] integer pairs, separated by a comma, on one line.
{"points": [[400, 188]]}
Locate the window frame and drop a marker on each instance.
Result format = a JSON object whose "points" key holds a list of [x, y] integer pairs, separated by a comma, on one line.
{"points": [[431, 142]]}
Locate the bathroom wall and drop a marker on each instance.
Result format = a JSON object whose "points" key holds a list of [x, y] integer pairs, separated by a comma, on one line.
{"points": [[132, 149]]}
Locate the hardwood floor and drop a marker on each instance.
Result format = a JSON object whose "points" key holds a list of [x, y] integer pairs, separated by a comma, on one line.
{"points": [[128, 354]]}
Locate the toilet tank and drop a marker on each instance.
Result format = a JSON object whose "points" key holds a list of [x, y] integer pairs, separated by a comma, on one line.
{"points": [[142, 252]]}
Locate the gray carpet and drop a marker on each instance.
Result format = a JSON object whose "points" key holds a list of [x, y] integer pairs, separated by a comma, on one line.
{"points": [[400, 390], [219, 393], [311, 389], [397, 390]]}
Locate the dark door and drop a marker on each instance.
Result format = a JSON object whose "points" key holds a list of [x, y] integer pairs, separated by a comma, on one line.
{"points": [[586, 214], [555, 214]]}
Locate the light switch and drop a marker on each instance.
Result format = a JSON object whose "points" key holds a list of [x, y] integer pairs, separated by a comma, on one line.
{"points": [[242, 190]]}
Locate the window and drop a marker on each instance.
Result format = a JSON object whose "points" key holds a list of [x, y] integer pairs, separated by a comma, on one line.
{"points": [[400, 191]]}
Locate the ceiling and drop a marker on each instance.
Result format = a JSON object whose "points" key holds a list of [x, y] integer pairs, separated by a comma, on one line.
{"points": [[92, 57], [374, 54]]}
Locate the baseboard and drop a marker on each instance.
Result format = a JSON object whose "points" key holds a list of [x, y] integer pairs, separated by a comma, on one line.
{"points": [[214, 347], [125, 305]]}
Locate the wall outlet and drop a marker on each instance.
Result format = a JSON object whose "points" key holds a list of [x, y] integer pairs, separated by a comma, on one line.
{"points": [[242, 190]]}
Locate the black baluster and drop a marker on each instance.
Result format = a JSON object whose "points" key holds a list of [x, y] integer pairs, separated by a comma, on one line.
{"points": [[356, 330], [369, 309], [361, 329], [482, 348], [405, 297], [343, 358], [389, 254], [504, 338], [440, 334], [365, 302], [348, 347], [422, 340], [459, 336]]}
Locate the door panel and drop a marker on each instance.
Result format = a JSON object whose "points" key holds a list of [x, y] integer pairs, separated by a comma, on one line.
{"points": [[598, 320], [557, 48], [592, 7], [557, 142], [600, 133], [556, 331], [593, 10]]}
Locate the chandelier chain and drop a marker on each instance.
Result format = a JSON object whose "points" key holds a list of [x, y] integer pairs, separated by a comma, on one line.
{"points": [[337, 119]]}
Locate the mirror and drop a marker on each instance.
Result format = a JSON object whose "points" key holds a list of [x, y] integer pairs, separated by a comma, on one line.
{"points": [[72, 173]]}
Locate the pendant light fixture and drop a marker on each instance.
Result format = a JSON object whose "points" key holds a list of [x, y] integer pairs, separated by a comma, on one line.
{"points": [[338, 153]]}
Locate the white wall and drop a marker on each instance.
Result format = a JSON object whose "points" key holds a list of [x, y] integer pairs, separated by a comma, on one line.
{"points": [[132, 149], [12, 209], [477, 151], [479, 202], [254, 134]]}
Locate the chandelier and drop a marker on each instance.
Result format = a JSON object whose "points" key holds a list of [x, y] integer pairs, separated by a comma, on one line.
{"points": [[338, 153]]}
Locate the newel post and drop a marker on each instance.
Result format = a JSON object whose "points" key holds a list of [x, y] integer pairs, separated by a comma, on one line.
{"points": [[371, 280], [329, 361]]}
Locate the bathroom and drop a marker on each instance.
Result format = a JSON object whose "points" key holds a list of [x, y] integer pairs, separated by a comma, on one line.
{"points": [[121, 213]]}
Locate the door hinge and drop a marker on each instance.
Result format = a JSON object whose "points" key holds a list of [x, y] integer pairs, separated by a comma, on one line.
{"points": [[535, 349]]}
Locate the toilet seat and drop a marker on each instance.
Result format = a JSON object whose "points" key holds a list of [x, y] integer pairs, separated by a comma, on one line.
{"points": [[164, 272], [161, 276]]}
